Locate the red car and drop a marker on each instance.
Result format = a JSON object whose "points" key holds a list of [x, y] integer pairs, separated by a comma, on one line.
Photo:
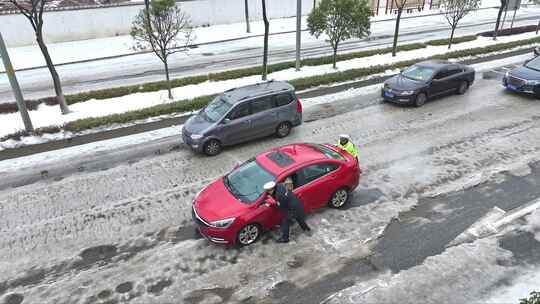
{"points": [[233, 210]]}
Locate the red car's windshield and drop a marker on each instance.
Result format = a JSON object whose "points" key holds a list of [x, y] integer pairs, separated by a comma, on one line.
{"points": [[246, 182]]}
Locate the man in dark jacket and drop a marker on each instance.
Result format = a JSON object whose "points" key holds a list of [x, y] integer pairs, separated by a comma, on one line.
{"points": [[292, 207]]}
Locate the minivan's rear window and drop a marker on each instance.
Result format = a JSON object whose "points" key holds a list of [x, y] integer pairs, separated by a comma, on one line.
{"points": [[283, 99], [281, 159]]}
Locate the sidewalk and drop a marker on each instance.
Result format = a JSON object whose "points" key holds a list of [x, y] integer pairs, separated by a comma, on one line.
{"points": [[30, 56]]}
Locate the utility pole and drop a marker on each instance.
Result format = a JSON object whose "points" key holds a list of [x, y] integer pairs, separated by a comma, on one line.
{"points": [[15, 86], [246, 11], [298, 31]]}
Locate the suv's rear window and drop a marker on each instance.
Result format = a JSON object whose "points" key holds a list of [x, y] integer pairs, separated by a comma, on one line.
{"points": [[279, 158], [328, 152]]}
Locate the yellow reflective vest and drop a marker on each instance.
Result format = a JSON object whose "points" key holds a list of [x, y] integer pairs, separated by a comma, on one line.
{"points": [[349, 147]]}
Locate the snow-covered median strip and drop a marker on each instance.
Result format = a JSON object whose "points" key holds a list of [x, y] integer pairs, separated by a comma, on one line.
{"points": [[42, 159], [46, 116]]}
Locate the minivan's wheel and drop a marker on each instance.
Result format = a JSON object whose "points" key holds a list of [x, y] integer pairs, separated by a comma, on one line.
{"points": [[420, 99], [212, 147], [248, 235], [283, 129], [339, 198], [463, 86]]}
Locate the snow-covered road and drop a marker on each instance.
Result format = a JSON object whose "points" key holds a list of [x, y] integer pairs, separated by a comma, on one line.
{"points": [[125, 235]]}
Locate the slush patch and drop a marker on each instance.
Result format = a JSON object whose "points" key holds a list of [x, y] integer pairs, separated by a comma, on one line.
{"points": [[158, 287]]}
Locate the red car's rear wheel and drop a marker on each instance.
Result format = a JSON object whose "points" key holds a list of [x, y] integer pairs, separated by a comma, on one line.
{"points": [[339, 198]]}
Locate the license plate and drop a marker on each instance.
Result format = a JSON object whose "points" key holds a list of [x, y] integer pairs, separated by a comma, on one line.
{"points": [[388, 94], [512, 87]]}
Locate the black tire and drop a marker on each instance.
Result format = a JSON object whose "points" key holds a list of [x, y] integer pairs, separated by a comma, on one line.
{"points": [[339, 198], [420, 100], [248, 235], [283, 129], [463, 87], [212, 147]]}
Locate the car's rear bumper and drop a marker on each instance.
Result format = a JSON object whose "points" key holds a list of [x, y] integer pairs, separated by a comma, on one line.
{"points": [[399, 99], [298, 120]]}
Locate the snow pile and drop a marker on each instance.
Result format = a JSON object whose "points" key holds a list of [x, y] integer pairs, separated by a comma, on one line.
{"points": [[533, 226]]}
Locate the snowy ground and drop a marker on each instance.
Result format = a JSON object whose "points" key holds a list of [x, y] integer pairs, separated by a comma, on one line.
{"points": [[30, 56], [124, 234], [142, 68], [50, 115]]}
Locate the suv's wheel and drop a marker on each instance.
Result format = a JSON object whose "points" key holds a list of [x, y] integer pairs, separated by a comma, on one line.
{"points": [[420, 99], [283, 129], [339, 198], [463, 86], [212, 147], [248, 235]]}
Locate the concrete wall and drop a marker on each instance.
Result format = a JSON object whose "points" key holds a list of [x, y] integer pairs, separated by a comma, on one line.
{"points": [[70, 25]]}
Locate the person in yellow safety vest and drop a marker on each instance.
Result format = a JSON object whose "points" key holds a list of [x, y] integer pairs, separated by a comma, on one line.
{"points": [[346, 144]]}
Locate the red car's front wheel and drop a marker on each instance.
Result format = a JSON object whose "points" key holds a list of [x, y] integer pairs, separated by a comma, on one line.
{"points": [[248, 235]]}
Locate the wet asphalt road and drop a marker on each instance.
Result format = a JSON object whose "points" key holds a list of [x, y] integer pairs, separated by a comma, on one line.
{"points": [[426, 231]]}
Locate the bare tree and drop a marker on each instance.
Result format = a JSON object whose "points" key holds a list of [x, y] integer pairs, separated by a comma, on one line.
{"points": [[455, 10], [400, 5], [504, 3], [33, 11], [265, 51], [157, 27]]}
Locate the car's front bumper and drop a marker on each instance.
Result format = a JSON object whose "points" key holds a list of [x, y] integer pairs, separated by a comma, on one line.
{"points": [[214, 235], [194, 144], [396, 97], [521, 87]]}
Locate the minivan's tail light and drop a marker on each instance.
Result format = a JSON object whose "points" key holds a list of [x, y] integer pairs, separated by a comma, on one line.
{"points": [[298, 105]]}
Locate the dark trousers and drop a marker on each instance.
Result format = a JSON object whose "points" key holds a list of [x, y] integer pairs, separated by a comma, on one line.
{"points": [[289, 219]]}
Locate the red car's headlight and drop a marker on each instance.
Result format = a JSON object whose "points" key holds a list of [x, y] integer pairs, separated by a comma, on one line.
{"points": [[222, 223]]}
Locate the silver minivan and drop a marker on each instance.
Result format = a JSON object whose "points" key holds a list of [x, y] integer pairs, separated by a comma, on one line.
{"points": [[242, 114]]}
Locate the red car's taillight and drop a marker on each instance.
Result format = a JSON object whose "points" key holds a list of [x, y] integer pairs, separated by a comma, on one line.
{"points": [[298, 105]]}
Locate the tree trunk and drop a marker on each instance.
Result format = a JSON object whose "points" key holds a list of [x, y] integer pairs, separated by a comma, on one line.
{"points": [[265, 51], [166, 63], [451, 36], [334, 57], [248, 30], [396, 33], [501, 9], [314, 3], [537, 27], [54, 75]]}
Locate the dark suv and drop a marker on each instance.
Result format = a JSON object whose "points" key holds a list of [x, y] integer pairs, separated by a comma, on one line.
{"points": [[243, 114]]}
